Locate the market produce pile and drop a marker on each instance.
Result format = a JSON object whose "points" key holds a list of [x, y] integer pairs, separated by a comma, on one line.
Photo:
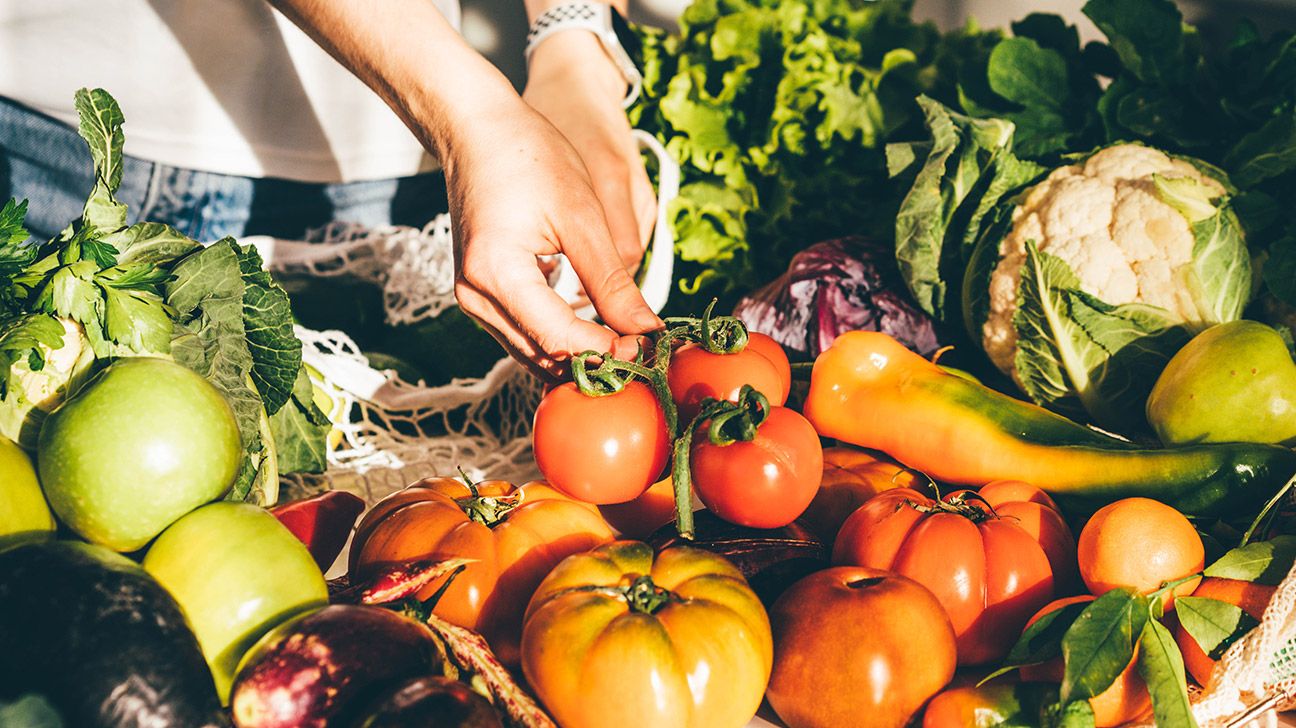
{"points": [[1071, 519]]}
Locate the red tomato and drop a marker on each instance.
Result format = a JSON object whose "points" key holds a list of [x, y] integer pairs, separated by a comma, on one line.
{"points": [[765, 483], [696, 374], [989, 574], [601, 449], [1033, 510]]}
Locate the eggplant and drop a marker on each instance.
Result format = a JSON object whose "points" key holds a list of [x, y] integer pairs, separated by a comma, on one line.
{"points": [[99, 640], [430, 702], [321, 668], [771, 559]]}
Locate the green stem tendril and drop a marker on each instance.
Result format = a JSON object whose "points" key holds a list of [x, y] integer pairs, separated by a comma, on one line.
{"points": [[486, 510], [716, 334], [727, 423], [645, 597]]}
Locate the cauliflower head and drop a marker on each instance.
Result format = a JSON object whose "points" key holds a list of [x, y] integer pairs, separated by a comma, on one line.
{"points": [[1131, 246]]}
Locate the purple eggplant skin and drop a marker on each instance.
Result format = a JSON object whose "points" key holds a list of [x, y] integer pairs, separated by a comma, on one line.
{"points": [[100, 640], [430, 702], [771, 559], [320, 668]]}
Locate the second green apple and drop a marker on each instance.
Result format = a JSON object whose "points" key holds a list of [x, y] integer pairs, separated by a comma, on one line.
{"points": [[1234, 382]]}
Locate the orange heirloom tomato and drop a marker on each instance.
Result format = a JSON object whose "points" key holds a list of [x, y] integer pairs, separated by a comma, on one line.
{"points": [[516, 534], [615, 637], [696, 374], [850, 477], [606, 449], [987, 572]]}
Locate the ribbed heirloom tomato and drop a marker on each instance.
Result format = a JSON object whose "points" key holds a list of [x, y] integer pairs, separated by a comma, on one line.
{"points": [[515, 534], [696, 374], [616, 637], [988, 573], [601, 449]]}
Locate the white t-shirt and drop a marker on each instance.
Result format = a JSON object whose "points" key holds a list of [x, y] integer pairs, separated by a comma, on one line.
{"points": [[228, 86]]}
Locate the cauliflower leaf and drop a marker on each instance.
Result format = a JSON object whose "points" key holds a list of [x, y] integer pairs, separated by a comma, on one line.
{"points": [[1077, 354]]}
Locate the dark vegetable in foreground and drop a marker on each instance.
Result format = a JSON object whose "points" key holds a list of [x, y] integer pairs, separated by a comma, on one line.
{"points": [[870, 391], [321, 668], [102, 642], [430, 702]]}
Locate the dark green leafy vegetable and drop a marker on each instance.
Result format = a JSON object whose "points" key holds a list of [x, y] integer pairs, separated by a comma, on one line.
{"points": [[778, 113], [147, 289]]}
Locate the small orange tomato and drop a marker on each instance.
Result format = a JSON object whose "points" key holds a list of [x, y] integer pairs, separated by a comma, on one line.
{"points": [[850, 477], [514, 534], [618, 637]]}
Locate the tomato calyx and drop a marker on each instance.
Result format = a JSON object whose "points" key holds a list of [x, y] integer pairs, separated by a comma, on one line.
{"points": [[716, 335], [486, 510], [959, 504], [735, 421], [645, 597]]}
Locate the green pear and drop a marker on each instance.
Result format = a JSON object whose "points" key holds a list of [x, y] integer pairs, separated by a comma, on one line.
{"points": [[1234, 382]]}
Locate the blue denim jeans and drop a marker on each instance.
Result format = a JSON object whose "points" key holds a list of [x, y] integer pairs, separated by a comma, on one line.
{"points": [[45, 162]]}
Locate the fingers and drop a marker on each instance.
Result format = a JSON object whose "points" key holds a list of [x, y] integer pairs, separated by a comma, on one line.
{"points": [[612, 185], [644, 199], [514, 299], [607, 283]]}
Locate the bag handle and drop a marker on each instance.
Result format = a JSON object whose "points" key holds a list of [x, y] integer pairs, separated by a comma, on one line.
{"points": [[656, 279]]}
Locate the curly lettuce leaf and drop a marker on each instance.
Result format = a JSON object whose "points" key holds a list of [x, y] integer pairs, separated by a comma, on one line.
{"points": [[1077, 354], [22, 338]]}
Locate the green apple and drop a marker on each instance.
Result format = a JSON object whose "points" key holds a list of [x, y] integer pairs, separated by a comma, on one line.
{"points": [[1234, 382], [22, 505], [142, 443], [237, 572]]}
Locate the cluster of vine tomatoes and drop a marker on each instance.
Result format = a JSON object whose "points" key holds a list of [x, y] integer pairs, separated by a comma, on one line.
{"points": [[707, 412]]}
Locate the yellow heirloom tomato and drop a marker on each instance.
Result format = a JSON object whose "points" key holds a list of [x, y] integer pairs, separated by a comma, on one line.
{"points": [[617, 637]]}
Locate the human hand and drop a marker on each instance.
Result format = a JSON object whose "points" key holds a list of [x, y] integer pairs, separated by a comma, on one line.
{"points": [[519, 190], [576, 86]]}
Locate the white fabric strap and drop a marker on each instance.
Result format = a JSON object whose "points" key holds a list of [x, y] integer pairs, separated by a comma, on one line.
{"points": [[594, 17], [656, 280]]}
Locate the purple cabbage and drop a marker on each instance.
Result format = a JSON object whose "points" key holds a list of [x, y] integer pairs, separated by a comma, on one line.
{"points": [[836, 286]]}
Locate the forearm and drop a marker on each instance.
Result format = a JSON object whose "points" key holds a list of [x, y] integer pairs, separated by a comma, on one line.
{"points": [[411, 56]]}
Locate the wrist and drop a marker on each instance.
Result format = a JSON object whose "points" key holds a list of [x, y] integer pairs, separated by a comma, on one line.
{"points": [[576, 57]]}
